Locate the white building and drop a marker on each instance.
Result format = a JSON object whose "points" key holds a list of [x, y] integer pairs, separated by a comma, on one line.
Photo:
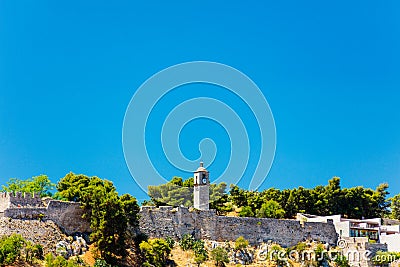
{"points": [[369, 228], [390, 234]]}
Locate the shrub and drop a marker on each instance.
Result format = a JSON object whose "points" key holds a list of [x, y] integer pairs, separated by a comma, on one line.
{"points": [[10, 248], [187, 242], [60, 261], [33, 252], [170, 241], [241, 243], [246, 212], [220, 256], [156, 252]]}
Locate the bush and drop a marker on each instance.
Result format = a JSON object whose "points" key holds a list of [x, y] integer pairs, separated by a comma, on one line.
{"points": [[156, 252], [170, 241], [246, 212], [10, 248], [101, 263], [33, 252], [60, 261], [241, 243], [187, 242], [220, 256]]}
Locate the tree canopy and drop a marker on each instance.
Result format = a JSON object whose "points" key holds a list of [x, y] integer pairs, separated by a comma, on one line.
{"points": [[355, 202], [109, 214], [37, 184], [179, 192]]}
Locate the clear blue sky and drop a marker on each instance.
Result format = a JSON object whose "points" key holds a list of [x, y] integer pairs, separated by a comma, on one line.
{"points": [[330, 72]]}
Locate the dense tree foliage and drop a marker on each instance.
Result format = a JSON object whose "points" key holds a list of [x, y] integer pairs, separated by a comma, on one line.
{"points": [[14, 247], [38, 184], [355, 202], [395, 207], [179, 192], [271, 209], [188, 242], [219, 256], [109, 214], [156, 252], [59, 261]]}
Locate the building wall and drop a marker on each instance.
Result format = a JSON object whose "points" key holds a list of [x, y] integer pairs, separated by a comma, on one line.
{"points": [[392, 241], [359, 251], [342, 228], [175, 222], [201, 195]]}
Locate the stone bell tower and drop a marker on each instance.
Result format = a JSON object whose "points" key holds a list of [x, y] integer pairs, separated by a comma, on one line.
{"points": [[201, 188]]}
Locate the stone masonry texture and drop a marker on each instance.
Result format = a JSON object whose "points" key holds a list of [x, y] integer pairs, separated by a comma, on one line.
{"points": [[175, 222]]}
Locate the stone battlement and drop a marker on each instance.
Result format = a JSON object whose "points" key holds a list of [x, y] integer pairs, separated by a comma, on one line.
{"points": [[19, 200], [19, 195]]}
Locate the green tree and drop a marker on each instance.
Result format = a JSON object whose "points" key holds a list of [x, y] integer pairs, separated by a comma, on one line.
{"points": [[108, 213], [156, 251], [189, 182], [321, 255], [277, 254], [171, 194], [170, 241], [60, 261], [33, 251], [10, 248], [220, 256], [395, 207], [334, 197], [246, 211], [341, 261], [71, 186], [271, 209], [178, 192], [200, 258], [219, 198], [187, 241], [241, 243], [37, 184]]}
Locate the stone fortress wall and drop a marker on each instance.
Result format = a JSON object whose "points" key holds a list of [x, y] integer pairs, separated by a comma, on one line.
{"points": [[66, 215], [175, 222]]}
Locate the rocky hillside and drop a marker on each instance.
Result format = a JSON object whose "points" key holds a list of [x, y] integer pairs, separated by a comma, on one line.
{"points": [[45, 233]]}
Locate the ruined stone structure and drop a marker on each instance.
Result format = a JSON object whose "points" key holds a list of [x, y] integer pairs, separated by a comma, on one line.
{"points": [[205, 224], [66, 215]]}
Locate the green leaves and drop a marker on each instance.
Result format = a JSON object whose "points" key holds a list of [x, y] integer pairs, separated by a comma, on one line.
{"points": [[271, 209], [10, 248], [38, 184], [355, 202], [219, 255], [395, 207], [241, 243], [109, 214], [156, 251], [180, 193]]}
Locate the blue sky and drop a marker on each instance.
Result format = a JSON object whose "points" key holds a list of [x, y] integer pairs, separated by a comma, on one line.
{"points": [[330, 73]]}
